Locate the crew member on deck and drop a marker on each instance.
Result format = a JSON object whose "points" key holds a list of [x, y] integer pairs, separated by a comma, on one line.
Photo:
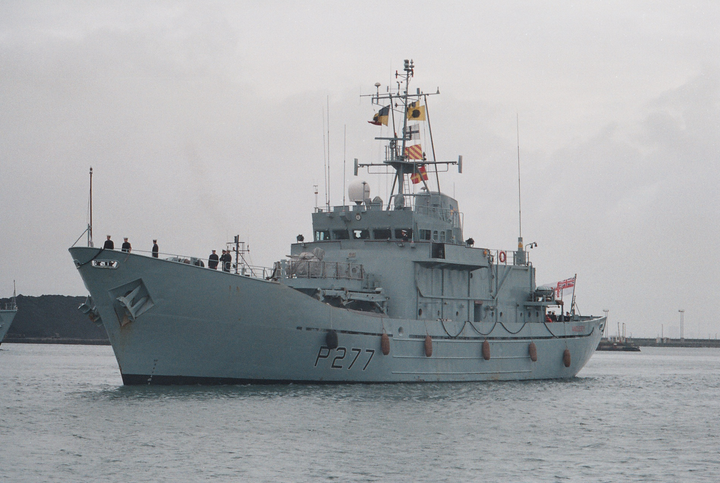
{"points": [[109, 245], [226, 260], [155, 249], [126, 246], [213, 260]]}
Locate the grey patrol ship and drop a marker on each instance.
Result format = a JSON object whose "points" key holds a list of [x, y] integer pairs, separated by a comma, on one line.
{"points": [[7, 314], [383, 293]]}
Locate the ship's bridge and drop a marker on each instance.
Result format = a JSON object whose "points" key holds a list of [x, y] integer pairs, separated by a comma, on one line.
{"points": [[425, 216]]}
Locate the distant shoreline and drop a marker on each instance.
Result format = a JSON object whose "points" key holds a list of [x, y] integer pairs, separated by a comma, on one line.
{"points": [[667, 342]]}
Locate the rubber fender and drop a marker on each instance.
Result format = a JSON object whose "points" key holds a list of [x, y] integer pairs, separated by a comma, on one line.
{"points": [[385, 343], [428, 345], [331, 340], [532, 350], [566, 358], [486, 350]]}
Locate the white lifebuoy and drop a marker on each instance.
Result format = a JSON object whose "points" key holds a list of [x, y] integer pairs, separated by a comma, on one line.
{"points": [[502, 257]]}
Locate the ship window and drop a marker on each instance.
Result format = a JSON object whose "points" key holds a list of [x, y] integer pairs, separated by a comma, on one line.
{"points": [[382, 234], [341, 234], [435, 235], [404, 234], [361, 234], [442, 236], [438, 250], [322, 235], [425, 234]]}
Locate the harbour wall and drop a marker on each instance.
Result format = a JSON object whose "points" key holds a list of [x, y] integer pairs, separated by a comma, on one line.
{"points": [[667, 342]]}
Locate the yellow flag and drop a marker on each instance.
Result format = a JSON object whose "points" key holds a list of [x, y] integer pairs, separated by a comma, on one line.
{"points": [[381, 117], [416, 112]]}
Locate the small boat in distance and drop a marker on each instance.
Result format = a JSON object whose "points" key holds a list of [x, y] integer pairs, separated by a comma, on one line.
{"points": [[617, 344], [383, 292]]}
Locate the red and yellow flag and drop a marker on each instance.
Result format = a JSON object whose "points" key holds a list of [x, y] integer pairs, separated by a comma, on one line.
{"points": [[419, 176], [414, 152], [423, 172]]}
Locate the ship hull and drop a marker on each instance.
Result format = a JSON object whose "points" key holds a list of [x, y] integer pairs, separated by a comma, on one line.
{"points": [[175, 323], [6, 319]]}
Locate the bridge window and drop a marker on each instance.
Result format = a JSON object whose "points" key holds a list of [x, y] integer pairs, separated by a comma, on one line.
{"points": [[382, 234], [404, 234], [425, 234], [322, 235], [340, 235]]}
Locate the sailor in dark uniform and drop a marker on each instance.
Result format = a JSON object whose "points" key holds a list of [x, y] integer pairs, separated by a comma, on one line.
{"points": [[109, 245], [155, 249], [226, 260], [126, 246], [213, 260]]}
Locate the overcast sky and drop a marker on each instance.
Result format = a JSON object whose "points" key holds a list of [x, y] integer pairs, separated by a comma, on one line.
{"points": [[205, 120]]}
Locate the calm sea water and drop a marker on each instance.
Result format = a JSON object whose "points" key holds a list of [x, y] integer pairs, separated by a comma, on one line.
{"points": [[652, 416]]}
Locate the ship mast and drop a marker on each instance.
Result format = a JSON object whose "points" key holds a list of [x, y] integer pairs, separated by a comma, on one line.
{"points": [[521, 248], [397, 152], [89, 229]]}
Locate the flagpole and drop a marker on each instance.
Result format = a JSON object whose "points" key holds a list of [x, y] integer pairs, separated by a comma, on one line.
{"points": [[327, 183], [432, 143], [344, 152], [325, 163]]}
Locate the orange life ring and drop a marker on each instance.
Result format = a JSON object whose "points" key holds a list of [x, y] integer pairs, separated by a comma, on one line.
{"points": [[502, 257]]}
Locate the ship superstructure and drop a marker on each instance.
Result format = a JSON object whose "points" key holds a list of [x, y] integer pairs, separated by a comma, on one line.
{"points": [[384, 292]]}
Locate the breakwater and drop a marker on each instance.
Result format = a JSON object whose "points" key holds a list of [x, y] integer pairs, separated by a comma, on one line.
{"points": [[667, 342]]}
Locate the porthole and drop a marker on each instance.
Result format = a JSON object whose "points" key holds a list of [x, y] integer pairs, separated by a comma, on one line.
{"points": [[420, 312]]}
